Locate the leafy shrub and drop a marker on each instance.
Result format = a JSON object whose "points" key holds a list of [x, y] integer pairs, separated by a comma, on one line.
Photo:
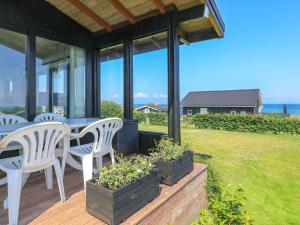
{"points": [[111, 109], [187, 121], [123, 172], [227, 208], [204, 219], [225, 203], [168, 150], [157, 118], [248, 123], [140, 116]]}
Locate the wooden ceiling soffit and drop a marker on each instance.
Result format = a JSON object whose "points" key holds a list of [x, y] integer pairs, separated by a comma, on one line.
{"points": [[123, 10], [88, 12], [160, 6]]}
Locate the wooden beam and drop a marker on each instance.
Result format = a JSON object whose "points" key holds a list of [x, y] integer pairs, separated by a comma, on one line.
{"points": [[173, 81], [123, 10], [88, 12], [160, 6], [155, 41], [149, 26], [128, 78], [31, 75]]}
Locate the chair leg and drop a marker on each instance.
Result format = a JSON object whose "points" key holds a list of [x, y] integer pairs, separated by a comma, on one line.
{"points": [[112, 156], [77, 139], [24, 178], [87, 166], [64, 161], [59, 177], [98, 164], [65, 153], [49, 177], [14, 184]]}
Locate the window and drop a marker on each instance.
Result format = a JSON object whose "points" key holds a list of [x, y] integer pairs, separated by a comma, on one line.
{"points": [[111, 82], [190, 112], [150, 72], [203, 110], [60, 72], [12, 73], [147, 110]]}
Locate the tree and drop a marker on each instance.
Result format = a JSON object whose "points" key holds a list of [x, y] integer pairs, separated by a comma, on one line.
{"points": [[111, 109]]}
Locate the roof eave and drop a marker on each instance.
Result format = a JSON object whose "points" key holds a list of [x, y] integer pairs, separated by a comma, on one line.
{"points": [[213, 15]]}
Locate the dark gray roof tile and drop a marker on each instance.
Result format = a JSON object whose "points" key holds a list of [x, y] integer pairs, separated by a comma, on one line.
{"points": [[249, 97]]}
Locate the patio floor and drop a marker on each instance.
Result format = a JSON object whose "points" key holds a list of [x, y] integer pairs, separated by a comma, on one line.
{"points": [[177, 204]]}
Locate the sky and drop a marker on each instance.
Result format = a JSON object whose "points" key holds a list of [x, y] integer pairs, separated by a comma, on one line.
{"points": [[261, 49]]}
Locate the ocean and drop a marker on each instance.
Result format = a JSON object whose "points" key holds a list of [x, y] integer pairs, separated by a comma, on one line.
{"points": [[293, 109]]}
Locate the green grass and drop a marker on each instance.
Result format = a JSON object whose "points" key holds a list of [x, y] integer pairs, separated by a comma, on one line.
{"points": [[266, 166]]}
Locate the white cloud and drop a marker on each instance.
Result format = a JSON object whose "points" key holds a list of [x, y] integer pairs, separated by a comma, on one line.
{"points": [[163, 96], [155, 96], [140, 95], [116, 96]]}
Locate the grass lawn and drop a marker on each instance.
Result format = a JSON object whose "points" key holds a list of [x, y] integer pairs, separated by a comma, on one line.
{"points": [[266, 166]]}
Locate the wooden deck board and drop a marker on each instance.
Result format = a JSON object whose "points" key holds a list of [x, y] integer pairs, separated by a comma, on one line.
{"points": [[41, 206]]}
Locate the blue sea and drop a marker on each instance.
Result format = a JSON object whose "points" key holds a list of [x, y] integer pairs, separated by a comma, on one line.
{"points": [[293, 109]]}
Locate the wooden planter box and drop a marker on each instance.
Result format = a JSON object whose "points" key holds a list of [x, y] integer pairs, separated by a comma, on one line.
{"points": [[173, 171], [113, 206]]}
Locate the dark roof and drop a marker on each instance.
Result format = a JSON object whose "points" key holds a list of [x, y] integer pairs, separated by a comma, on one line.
{"points": [[249, 97]]}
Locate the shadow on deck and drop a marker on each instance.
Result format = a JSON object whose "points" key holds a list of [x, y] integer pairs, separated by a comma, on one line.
{"points": [[178, 204]]}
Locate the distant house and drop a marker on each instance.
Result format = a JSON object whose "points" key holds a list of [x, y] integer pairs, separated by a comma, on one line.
{"points": [[230, 101], [148, 109]]}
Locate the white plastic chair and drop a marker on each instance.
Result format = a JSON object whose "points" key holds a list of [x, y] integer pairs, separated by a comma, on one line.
{"points": [[8, 119], [39, 142], [54, 117], [103, 132]]}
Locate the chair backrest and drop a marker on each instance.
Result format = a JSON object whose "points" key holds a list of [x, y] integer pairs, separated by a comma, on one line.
{"points": [[7, 119], [39, 142], [49, 117], [103, 132]]}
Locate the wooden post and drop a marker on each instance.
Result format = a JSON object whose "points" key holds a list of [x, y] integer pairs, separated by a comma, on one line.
{"points": [[173, 80], [31, 75], [128, 79], [96, 82]]}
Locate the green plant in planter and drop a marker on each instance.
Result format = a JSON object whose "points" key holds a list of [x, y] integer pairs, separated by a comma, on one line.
{"points": [[168, 150], [124, 172]]}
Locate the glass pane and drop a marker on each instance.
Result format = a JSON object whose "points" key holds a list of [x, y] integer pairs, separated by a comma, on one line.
{"points": [[60, 93], [42, 74], [150, 84], [12, 73], [77, 82], [60, 78], [112, 81]]}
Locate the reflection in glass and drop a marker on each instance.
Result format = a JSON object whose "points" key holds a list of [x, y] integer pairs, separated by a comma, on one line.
{"points": [[12, 73], [112, 81], [60, 71]]}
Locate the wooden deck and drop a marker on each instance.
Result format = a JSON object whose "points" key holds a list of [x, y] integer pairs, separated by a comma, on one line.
{"points": [[177, 204]]}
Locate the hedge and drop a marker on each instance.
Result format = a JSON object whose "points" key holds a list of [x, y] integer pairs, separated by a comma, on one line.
{"points": [[156, 118], [248, 123], [140, 116]]}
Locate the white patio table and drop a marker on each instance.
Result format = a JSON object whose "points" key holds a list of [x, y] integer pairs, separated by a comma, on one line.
{"points": [[72, 123]]}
